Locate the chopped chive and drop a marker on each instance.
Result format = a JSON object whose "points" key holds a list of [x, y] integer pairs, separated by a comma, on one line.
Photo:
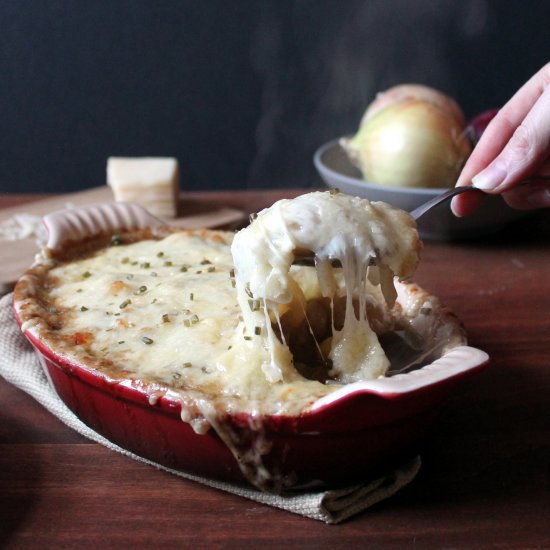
{"points": [[166, 318], [125, 303], [193, 320], [257, 331], [211, 269], [206, 262], [145, 265], [184, 268], [160, 254], [121, 341], [191, 296], [247, 337], [86, 274], [83, 308], [168, 263], [147, 340], [141, 289], [187, 365], [125, 260]]}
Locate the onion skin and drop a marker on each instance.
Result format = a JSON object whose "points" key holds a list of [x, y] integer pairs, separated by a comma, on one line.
{"points": [[410, 143], [403, 92]]}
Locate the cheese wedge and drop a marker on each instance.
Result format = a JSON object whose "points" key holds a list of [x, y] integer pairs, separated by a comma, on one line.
{"points": [[152, 182]]}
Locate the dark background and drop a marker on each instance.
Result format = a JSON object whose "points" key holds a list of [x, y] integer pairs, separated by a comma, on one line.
{"points": [[242, 92]]}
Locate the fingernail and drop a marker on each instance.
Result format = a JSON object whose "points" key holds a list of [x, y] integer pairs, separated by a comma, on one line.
{"points": [[490, 178]]}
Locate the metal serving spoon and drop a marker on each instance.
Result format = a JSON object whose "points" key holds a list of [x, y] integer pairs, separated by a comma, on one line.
{"points": [[423, 208], [432, 203]]}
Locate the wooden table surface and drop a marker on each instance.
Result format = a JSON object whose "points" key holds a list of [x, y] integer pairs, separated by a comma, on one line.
{"points": [[485, 479]]}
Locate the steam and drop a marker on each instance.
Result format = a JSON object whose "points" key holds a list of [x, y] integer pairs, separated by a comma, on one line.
{"points": [[320, 64]]}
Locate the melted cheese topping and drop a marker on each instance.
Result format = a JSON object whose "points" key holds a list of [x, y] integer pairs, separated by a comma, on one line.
{"points": [[167, 312], [372, 241]]}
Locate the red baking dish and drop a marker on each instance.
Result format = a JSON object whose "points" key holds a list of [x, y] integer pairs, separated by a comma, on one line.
{"points": [[360, 429]]}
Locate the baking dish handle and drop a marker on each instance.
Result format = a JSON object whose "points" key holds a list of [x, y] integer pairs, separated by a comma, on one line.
{"points": [[455, 364], [87, 221]]}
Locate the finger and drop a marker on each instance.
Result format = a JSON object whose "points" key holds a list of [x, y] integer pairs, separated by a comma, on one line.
{"points": [[491, 143], [501, 128], [497, 134], [527, 150], [489, 146], [529, 197], [466, 203], [524, 153]]}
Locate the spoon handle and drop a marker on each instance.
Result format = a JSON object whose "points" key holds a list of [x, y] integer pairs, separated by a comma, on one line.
{"points": [[423, 208]]}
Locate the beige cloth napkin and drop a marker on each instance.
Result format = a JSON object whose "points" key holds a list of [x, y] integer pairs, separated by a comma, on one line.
{"points": [[20, 366]]}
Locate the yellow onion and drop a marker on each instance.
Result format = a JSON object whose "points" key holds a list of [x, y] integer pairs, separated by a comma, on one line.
{"points": [[402, 92], [411, 143]]}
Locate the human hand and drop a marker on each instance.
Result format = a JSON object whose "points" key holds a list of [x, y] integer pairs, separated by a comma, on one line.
{"points": [[515, 146]]}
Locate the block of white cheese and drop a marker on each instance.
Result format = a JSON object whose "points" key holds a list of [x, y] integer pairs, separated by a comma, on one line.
{"points": [[152, 182]]}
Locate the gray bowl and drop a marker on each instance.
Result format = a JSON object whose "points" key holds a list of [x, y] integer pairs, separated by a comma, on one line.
{"points": [[337, 172]]}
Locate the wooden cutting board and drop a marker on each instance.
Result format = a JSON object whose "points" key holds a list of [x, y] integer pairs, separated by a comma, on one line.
{"points": [[18, 255]]}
